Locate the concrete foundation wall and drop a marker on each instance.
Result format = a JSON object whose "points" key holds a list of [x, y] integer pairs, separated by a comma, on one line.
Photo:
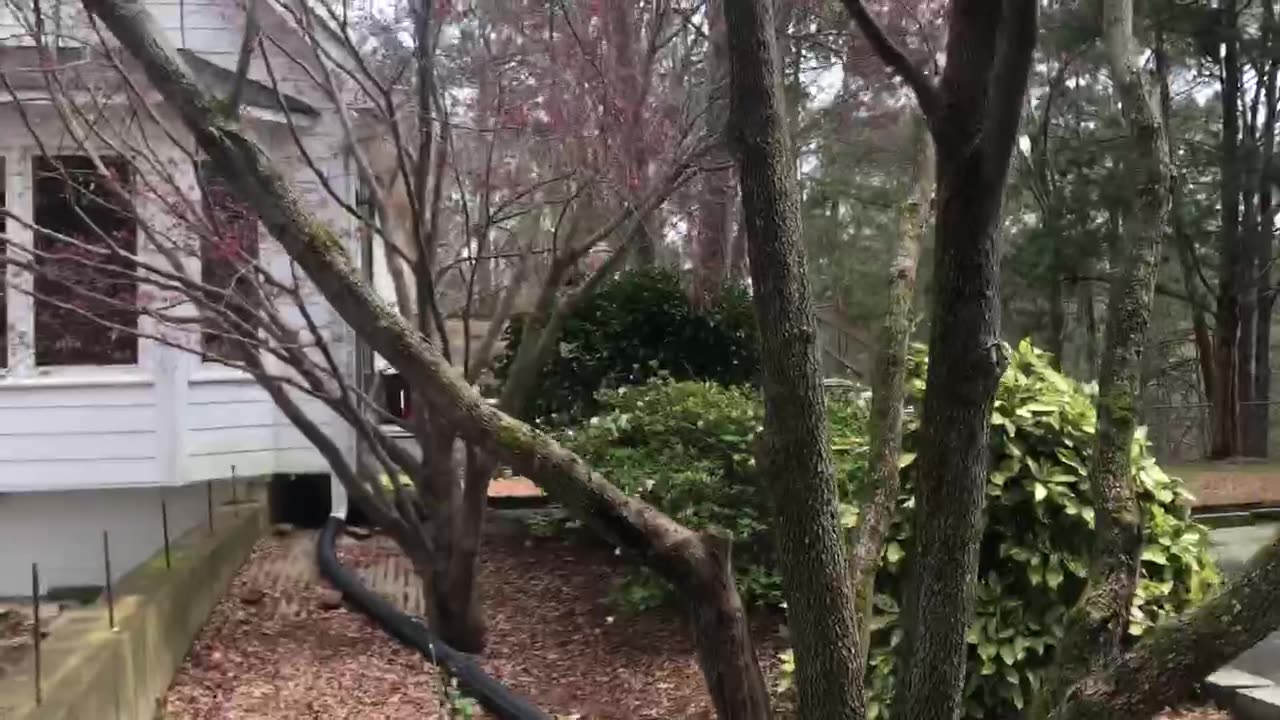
{"points": [[93, 673], [62, 531]]}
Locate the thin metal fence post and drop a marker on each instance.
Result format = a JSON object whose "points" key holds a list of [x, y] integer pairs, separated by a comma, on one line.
{"points": [[164, 527], [235, 502], [35, 627], [209, 502], [111, 599]]}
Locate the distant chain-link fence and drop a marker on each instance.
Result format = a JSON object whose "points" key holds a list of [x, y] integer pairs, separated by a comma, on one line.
{"points": [[1180, 433]]}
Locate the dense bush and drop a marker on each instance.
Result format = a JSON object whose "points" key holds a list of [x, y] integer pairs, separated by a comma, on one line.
{"points": [[686, 447], [635, 326]]}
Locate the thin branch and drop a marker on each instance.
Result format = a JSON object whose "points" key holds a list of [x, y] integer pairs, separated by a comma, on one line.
{"points": [[252, 28], [887, 50]]}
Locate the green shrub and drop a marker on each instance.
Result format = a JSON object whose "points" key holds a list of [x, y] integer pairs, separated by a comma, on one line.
{"points": [[686, 447], [635, 326]]}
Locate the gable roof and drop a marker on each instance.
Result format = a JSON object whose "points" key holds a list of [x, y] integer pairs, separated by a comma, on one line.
{"points": [[219, 80]]}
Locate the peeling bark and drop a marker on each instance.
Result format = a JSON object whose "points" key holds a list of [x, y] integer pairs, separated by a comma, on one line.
{"points": [[794, 454]]}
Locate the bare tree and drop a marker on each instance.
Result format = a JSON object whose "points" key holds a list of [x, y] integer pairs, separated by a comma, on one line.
{"points": [[455, 234]]}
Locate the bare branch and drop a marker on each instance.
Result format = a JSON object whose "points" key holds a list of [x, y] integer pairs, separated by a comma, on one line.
{"points": [[925, 90], [252, 28]]}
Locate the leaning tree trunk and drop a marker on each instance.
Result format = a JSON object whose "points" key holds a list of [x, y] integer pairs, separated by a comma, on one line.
{"points": [[697, 564], [1096, 625], [1180, 652], [879, 498], [794, 454]]}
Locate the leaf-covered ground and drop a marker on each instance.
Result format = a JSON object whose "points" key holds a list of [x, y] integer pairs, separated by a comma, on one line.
{"points": [[279, 645], [276, 647]]}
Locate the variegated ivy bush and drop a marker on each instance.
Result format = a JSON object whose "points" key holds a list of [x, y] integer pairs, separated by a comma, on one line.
{"points": [[687, 448]]}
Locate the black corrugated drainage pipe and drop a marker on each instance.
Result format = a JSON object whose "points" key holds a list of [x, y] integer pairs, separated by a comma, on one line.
{"points": [[493, 695]]}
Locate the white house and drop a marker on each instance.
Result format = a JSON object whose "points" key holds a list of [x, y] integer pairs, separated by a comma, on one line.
{"points": [[94, 434]]}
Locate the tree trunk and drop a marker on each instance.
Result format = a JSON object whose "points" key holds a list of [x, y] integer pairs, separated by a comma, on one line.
{"points": [[459, 613], [454, 608], [1223, 402], [1259, 417], [879, 498], [794, 454], [1246, 350], [1057, 316], [974, 116], [677, 554], [629, 93], [715, 211], [1096, 625]]}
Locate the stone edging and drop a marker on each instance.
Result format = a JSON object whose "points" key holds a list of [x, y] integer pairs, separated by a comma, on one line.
{"points": [[1247, 696]]}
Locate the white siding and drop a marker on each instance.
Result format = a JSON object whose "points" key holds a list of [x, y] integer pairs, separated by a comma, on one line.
{"points": [[57, 435], [233, 427]]}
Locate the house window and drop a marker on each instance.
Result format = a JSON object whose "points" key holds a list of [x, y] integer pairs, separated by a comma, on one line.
{"points": [[85, 284], [228, 254]]}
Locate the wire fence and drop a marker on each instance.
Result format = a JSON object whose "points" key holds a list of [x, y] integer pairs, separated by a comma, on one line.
{"points": [[1180, 433]]}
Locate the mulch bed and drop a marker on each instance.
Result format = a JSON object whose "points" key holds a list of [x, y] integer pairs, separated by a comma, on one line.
{"points": [[554, 637], [274, 649]]}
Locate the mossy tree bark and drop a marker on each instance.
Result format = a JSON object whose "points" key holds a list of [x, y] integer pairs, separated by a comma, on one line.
{"points": [[973, 113], [794, 454], [696, 564], [1096, 625], [1180, 652], [879, 498]]}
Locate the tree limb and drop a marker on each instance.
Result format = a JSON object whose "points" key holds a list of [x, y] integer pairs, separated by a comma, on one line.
{"points": [[1184, 650], [252, 28], [887, 50]]}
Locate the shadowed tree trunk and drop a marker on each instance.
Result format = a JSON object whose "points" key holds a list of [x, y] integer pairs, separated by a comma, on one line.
{"points": [[1099, 619], [1224, 401], [1258, 421], [794, 454], [879, 498], [973, 114], [1183, 242], [715, 211]]}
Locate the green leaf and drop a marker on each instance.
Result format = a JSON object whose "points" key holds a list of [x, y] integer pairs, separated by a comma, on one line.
{"points": [[1053, 573], [1040, 492], [893, 552], [1155, 554], [906, 459], [1009, 654]]}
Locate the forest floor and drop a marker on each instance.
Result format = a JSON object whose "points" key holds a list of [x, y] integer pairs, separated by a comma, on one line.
{"points": [[282, 645]]}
